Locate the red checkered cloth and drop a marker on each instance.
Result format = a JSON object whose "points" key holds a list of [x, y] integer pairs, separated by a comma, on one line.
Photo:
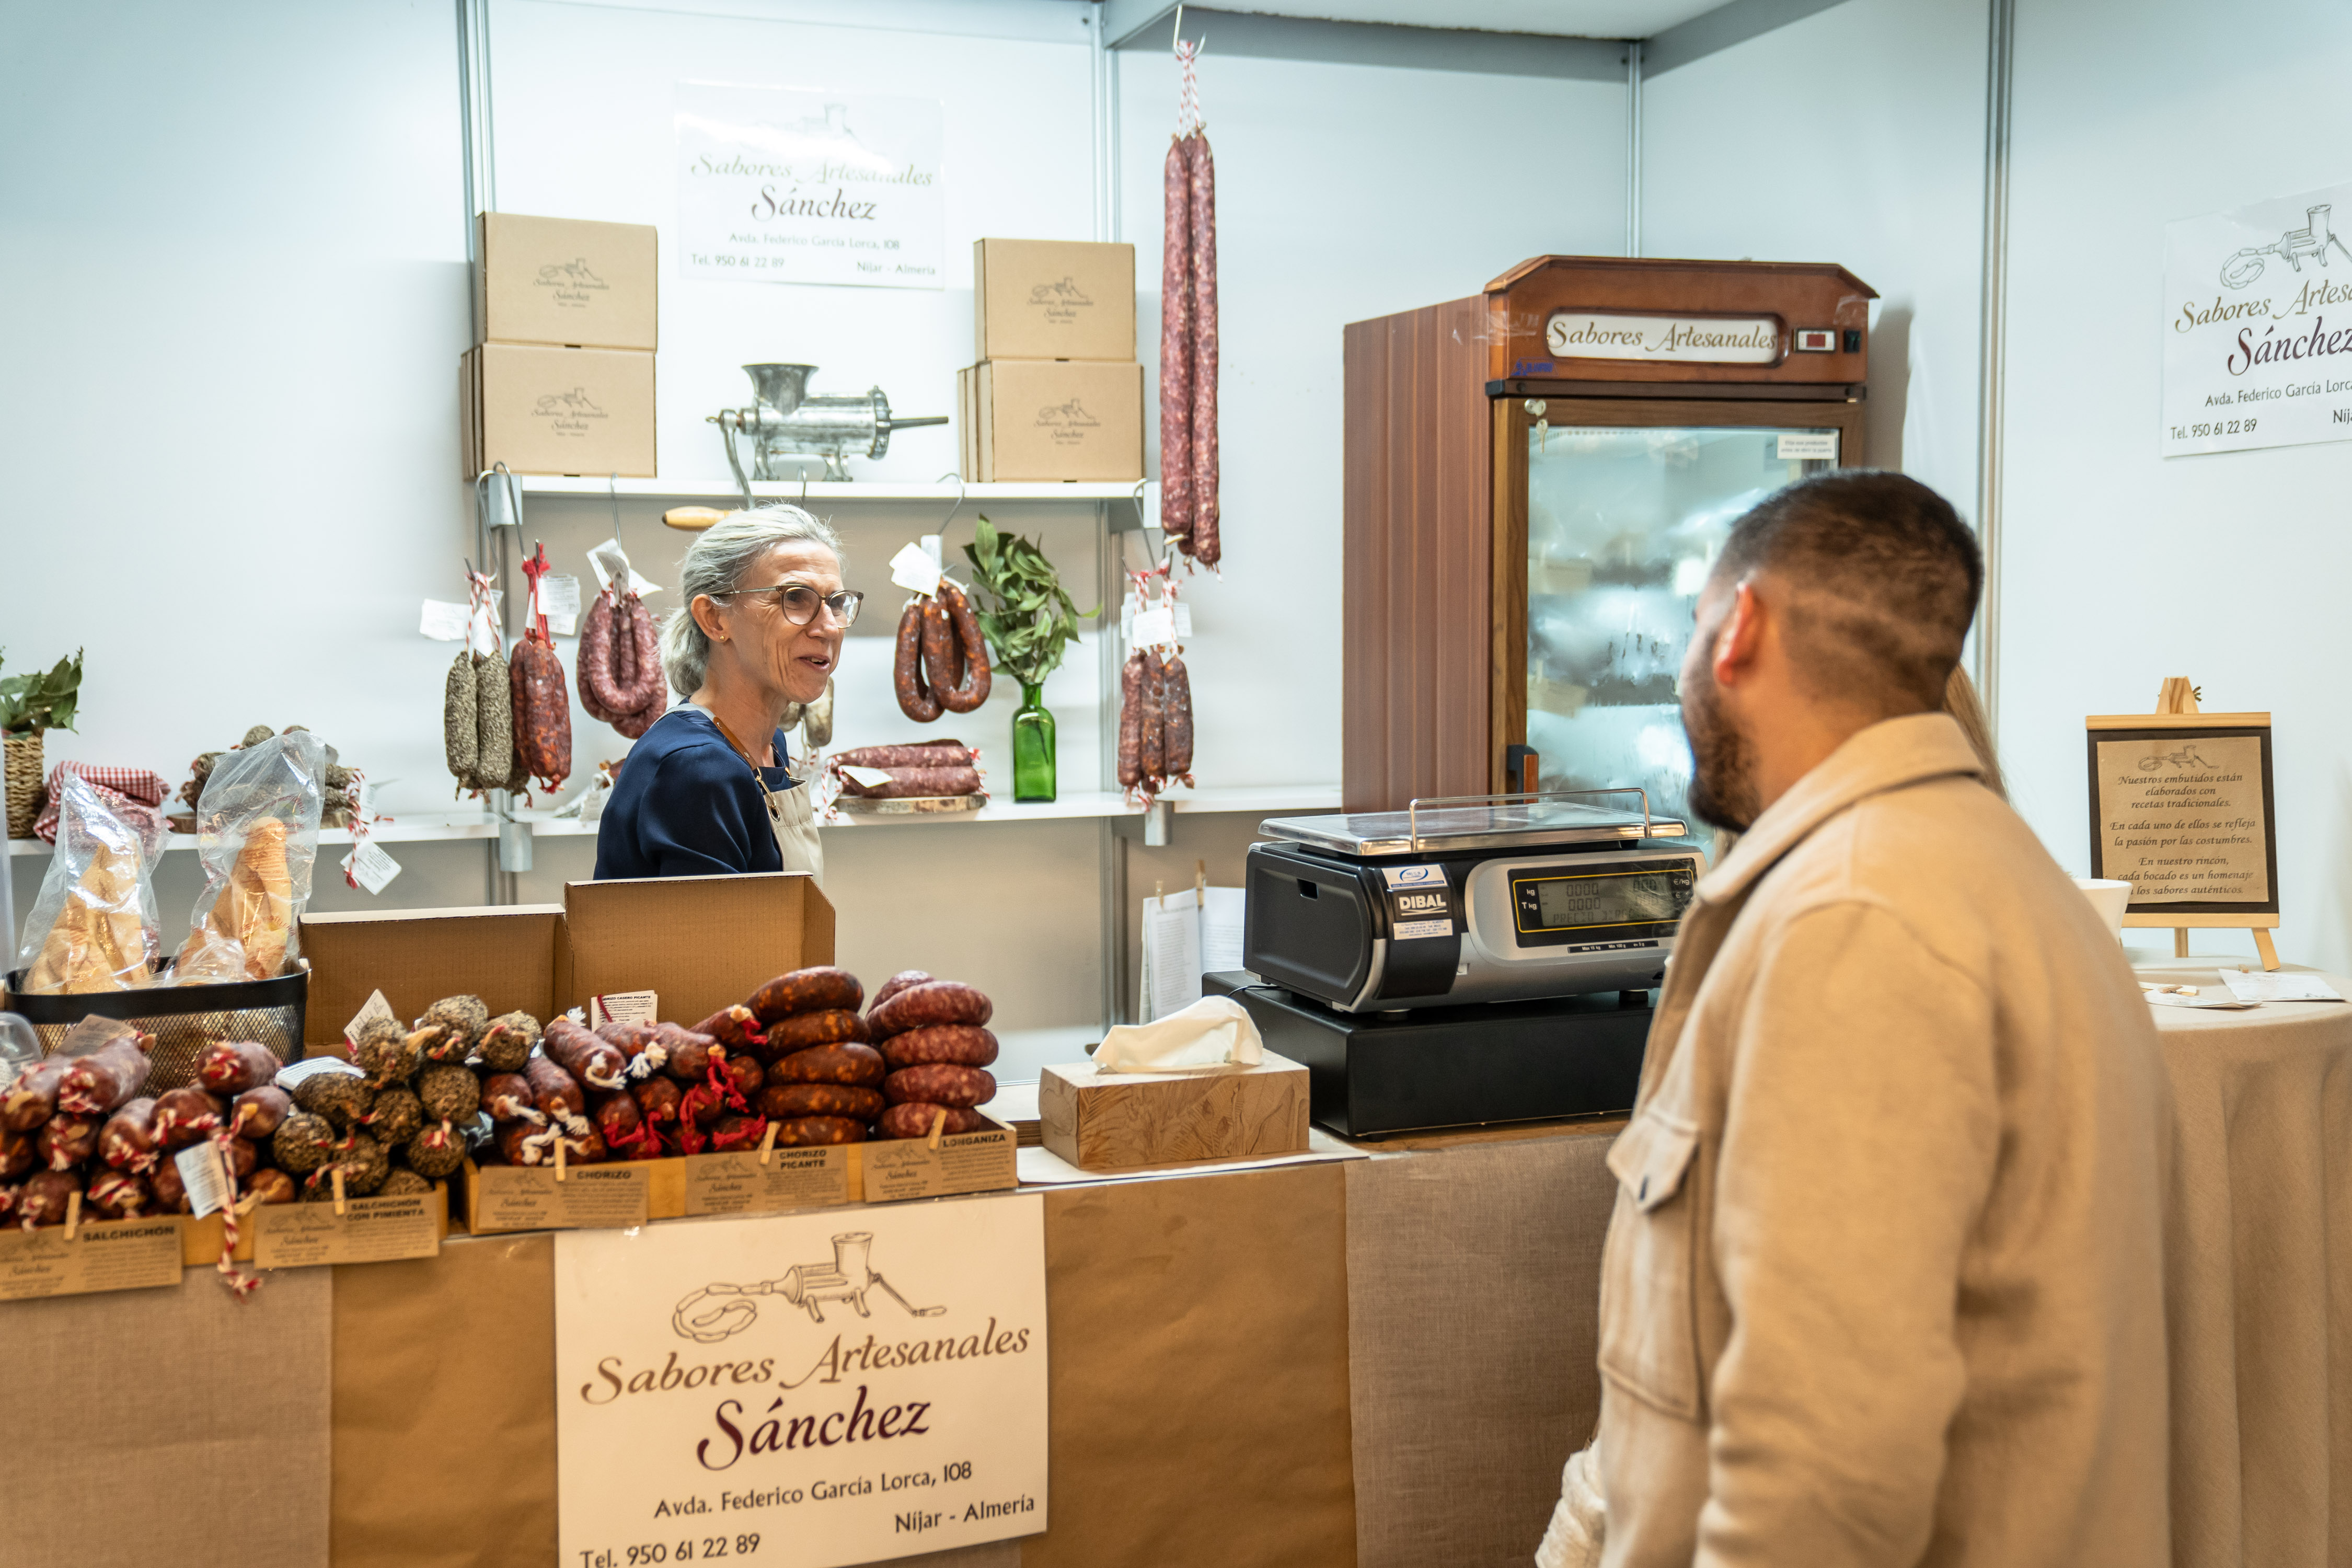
{"points": [[133, 792]]}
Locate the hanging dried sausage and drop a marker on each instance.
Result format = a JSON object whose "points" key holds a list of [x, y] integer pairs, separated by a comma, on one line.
{"points": [[1130, 722], [1176, 345], [1152, 752], [1203, 544], [915, 700], [969, 689], [1176, 720], [939, 652]]}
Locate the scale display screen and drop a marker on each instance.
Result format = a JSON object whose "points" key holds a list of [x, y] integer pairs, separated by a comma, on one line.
{"points": [[1631, 903]]}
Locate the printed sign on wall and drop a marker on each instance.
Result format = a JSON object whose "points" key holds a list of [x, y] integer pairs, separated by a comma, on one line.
{"points": [[786, 186], [2258, 326], [802, 1392]]}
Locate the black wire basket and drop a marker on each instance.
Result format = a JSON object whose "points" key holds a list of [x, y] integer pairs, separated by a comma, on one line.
{"points": [[184, 1019]]}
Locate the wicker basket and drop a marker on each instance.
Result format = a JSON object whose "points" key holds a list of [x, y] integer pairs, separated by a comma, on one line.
{"points": [[23, 767], [184, 1019]]}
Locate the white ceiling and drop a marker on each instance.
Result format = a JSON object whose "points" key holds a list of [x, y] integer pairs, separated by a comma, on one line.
{"points": [[1573, 18]]}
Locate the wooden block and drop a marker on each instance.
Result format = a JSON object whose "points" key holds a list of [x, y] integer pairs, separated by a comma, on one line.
{"points": [[1118, 1122]]}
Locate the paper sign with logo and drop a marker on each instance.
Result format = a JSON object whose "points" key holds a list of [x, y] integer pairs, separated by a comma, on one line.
{"points": [[2258, 325], [787, 186], [804, 1391]]}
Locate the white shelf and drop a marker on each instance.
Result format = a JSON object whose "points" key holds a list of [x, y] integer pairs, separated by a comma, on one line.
{"points": [[724, 491], [430, 826]]}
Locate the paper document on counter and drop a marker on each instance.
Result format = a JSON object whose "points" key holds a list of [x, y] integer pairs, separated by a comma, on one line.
{"points": [[2255, 987], [1185, 937]]}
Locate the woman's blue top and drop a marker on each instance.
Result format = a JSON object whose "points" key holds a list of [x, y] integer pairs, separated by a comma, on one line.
{"points": [[687, 804]]}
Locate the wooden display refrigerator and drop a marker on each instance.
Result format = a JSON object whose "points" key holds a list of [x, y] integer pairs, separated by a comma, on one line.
{"points": [[1537, 480]]}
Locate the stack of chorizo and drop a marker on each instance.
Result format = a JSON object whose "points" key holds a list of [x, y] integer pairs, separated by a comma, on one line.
{"points": [[1188, 335], [621, 680], [932, 768], [941, 664], [929, 1035]]}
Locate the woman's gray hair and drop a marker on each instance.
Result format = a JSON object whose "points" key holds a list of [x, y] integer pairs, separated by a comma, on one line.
{"points": [[718, 561]]}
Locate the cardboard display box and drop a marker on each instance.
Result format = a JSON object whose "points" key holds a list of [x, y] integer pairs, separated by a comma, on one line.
{"points": [[556, 410], [700, 943], [1052, 298], [563, 282], [1120, 1122], [1056, 419]]}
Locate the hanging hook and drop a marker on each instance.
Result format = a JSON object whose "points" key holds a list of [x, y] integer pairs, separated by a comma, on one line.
{"points": [[1180, 27], [944, 478], [612, 488]]}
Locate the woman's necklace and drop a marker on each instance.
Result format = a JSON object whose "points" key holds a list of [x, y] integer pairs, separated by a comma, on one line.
{"points": [[745, 752]]}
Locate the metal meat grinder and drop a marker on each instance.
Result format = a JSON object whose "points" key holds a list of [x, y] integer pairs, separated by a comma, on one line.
{"points": [[787, 426]]}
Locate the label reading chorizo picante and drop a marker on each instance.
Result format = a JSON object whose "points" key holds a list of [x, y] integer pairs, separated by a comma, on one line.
{"points": [[792, 1179]]}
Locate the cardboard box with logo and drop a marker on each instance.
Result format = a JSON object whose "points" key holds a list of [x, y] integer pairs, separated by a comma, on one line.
{"points": [[565, 282], [1054, 419], [541, 410], [1050, 299]]}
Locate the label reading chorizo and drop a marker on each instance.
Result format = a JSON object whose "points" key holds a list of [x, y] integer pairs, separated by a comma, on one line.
{"points": [[911, 1168], [792, 1179], [104, 1254], [590, 1197], [369, 1230]]}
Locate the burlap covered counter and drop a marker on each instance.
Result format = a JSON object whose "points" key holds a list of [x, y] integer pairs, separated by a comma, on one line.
{"points": [[2258, 1296], [1197, 1377]]}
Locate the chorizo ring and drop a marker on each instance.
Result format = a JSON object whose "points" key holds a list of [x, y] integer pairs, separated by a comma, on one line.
{"points": [[939, 1083], [961, 1045], [787, 1101], [907, 670], [970, 686], [849, 1062], [913, 1119], [934, 1002], [819, 989]]}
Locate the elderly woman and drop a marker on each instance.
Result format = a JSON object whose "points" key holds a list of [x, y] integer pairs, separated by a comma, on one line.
{"points": [[708, 789]]}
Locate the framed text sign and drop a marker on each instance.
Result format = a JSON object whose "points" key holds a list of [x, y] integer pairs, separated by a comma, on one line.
{"points": [[2181, 809]]}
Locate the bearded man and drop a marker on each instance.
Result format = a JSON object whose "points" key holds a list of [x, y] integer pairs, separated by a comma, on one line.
{"points": [[1884, 1284]]}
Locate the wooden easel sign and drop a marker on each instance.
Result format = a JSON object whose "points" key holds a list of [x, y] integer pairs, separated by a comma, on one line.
{"points": [[2181, 809]]}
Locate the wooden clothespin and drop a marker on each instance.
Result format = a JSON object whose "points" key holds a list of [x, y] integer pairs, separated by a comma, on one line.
{"points": [[73, 1214], [338, 1189], [2177, 696], [1201, 884], [768, 1143], [938, 1125], [559, 1158]]}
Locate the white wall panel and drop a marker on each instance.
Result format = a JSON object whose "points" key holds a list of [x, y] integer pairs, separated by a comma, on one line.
{"points": [[2123, 567], [1343, 191]]}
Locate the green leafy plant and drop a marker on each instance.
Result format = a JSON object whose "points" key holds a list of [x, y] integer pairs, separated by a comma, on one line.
{"points": [[1027, 617], [42, 699]]}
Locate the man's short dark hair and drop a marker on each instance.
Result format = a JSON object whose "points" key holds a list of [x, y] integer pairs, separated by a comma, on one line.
{"points": [[1883, 578]]}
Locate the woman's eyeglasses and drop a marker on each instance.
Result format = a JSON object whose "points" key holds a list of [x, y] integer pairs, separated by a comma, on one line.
{"points": [[798, 603]]}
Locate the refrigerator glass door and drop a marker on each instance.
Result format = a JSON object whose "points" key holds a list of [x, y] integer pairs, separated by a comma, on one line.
{"points": [[1623, 524]]}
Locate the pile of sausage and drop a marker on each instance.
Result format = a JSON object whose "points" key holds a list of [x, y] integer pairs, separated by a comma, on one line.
{"points": [[942, 658], [621, 679], [1188, 352], [1155, 722], [507, 720], [797, 1055], [930, 769], [79, 1127]]}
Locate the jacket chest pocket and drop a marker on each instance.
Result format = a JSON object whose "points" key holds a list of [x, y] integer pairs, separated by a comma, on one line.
{"points": [[1649, 1343]]}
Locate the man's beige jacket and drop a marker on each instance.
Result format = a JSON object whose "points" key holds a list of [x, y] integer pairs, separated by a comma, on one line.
{"points": [[1884, 1285]]}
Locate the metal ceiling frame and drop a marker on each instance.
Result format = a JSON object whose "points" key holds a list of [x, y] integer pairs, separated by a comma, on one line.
{"points": [[1144, 24]]}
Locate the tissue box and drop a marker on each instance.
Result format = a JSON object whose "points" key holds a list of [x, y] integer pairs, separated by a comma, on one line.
{"points": [[1122, 1120]]}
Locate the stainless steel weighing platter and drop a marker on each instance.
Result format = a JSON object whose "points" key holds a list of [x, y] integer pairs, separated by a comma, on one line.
{"points": [[1439, 826]]}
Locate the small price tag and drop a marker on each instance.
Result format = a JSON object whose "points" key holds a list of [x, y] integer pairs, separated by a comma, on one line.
{"points": [[560, 598], [608, 561], [622, 1007], [375, 1007], [913, 570], [370, 866], [1183, 622], [443, 621], [1154, 627], [1808, 446], [871, 778], [205, 1177]]}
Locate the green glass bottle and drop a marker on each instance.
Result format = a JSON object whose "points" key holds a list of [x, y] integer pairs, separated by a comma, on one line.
{"points": [[1033, 746]]}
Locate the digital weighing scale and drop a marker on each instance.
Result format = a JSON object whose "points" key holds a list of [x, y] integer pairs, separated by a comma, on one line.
{"points": [[1463, 961]]}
